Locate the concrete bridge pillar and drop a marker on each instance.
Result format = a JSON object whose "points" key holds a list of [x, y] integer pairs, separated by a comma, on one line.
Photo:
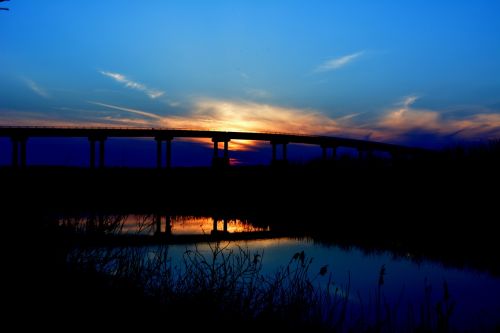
{"points": [[22, 143], [101, 152], [226, 150], [92, 141], [158, 153], [15, 153], [19, 151], [216, 148], [225, 224], [92, 153], [168, 153], [217, 160], [284, 157], [333, 156]]}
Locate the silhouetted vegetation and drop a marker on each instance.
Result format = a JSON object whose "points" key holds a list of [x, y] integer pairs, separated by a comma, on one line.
{"points": [[225, 286]]}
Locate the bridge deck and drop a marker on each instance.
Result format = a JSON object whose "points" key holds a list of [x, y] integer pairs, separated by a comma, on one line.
{"points": [[327, 141]]}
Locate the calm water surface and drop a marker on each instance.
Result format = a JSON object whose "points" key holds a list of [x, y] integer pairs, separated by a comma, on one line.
{"points": [[477, 295]]}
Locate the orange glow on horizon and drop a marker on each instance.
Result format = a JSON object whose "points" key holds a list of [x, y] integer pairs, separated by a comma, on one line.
{"points": [[243, 116]]}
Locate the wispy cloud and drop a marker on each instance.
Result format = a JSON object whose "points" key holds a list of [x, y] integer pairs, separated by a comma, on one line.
{"points": [[401, 123], [152, 93], [404, 121], [37, 89], [336, 63], [120, 108]]}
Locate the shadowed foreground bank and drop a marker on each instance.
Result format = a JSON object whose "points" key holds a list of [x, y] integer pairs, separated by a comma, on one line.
{"points": [[406, 208]]}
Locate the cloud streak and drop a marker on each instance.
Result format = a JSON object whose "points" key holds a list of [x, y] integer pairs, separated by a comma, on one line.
{"points": [[402, 123], [152, 93], [40, 91], [134, 111], [337, 63]]}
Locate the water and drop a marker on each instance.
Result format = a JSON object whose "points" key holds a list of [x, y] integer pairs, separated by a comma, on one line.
{"points": [[476, 294]]}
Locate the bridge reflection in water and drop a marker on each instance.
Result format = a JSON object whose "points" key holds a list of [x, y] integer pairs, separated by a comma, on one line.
{"points": [[162, 228], [19, 137]]}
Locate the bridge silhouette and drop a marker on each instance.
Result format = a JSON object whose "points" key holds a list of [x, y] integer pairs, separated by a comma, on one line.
{"points": [[20, 135]]}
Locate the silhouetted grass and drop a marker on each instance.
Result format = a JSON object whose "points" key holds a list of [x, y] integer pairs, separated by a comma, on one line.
{"points": [[224, 286]]}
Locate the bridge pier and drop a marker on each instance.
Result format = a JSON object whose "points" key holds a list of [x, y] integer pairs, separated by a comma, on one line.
{"points": [[217, 160], [158, 153], [19, 152], [333, 157], [22, 143], [15, 153], [284, 155], [92, 142], [92, 153], [168, 152], [101, 153]]}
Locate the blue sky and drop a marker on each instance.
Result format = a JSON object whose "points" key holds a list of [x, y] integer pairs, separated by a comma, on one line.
{"points": [[416, 72]]}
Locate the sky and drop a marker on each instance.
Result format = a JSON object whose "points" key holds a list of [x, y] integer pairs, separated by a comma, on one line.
{"points": [[422, 73]]}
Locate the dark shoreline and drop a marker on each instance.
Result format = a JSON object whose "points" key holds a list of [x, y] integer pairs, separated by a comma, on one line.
{"points": [[407, 209]]}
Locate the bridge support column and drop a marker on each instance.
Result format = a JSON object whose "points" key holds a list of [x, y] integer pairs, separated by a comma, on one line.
{"points": [[158, 153], [22, 143], [168, 153], [15, 152], [284, 157], [92, 153], [225, 224], [217, 160], [325, 153], [334, 153], [101, 153], [216, 148], [226, 152], [274, 151], [19, 152]]}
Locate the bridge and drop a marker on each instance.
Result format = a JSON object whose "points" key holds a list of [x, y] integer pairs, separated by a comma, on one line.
{"points": [[20, 135]]}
